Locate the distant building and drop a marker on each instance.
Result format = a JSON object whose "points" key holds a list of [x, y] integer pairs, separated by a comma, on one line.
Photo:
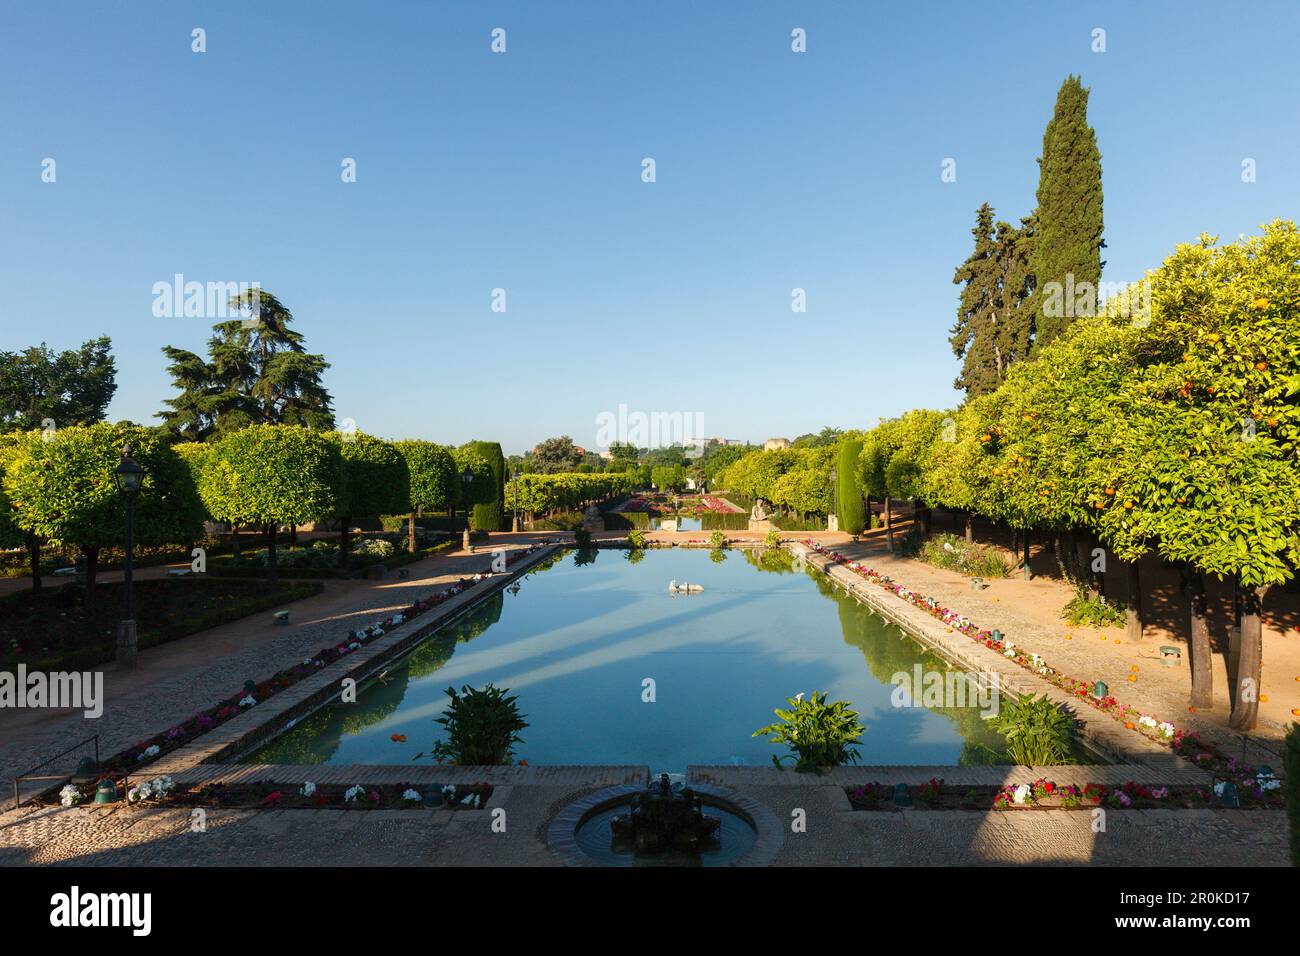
{"points": [[725, 441], [775, 444]]}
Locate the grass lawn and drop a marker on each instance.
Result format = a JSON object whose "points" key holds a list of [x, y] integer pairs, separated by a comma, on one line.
{"points": [[52, 629]]}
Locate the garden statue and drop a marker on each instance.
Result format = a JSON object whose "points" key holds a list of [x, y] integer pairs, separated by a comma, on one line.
{"points": [[665, 817], [758, 512]]}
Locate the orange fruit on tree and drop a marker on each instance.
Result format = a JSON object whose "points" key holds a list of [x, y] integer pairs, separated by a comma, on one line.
{"points": [[1261, 366]]}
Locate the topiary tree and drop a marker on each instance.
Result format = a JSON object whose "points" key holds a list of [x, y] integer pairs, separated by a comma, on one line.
{"points": [[668, 477], [489, 511], [375, 482], [851, 509], [433, 479], [269, 475], [62, 489], [481, 488]]}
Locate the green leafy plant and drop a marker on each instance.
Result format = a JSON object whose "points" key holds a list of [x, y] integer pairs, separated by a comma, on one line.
{"points": [[717, 540], [636, 539], [772, 539], [482, 727], [582, 538], [1037, 731], [1092, 611], [819, 732], [953, 553], [1291, 786]]}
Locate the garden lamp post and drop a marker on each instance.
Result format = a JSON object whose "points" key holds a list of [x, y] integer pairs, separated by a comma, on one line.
{"points": [[129, 476], [514, 522], [466, 479]]}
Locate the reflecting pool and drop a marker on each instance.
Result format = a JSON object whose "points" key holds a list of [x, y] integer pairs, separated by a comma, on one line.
{"points": [[610, 668]]}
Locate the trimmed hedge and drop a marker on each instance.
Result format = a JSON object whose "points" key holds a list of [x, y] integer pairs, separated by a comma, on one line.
{"points": [[627, 520], [724, 521], [795, 523], [175, 627]]}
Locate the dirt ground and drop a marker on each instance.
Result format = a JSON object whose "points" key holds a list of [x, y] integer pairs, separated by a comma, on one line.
{"points": [[1030, 613]]}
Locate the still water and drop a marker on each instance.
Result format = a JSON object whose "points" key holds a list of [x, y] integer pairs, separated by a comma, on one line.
{"points": [[584, 634]]}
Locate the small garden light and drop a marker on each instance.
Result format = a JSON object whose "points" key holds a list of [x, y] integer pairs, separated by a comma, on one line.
{"points": [[106, 792]]}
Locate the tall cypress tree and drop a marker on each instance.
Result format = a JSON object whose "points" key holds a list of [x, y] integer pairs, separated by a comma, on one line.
{"points": [[1068, 234], [994, 320]]}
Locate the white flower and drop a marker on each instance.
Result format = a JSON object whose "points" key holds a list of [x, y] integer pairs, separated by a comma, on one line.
{"points": [[1218, 788], [1021, 794], [353, 646], [1166, 729], [399, 619], [353, 793], [1148, 722], [150, 751], [69, 796], [247, 701], [308, 789], [412, 795]]}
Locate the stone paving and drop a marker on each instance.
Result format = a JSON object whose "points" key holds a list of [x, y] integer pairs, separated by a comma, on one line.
{"points": [[152, 699], [835, 836]]}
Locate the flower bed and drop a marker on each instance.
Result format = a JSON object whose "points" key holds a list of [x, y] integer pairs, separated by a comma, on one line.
{"points": [[265, 795], [1184, 743], [140, 755], [1251, 789], [712, 503]]}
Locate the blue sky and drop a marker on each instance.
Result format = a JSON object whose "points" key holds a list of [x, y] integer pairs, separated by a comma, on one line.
{"points": [[522, 171]]}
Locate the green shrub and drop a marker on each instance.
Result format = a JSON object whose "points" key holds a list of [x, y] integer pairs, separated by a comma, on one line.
{"points": [[582, 538], [1093, 612], [717, 540], [772, 539], [1037, 730], [795, 523], [953, 553], [821, 734], [1291, 786], [482, 727], [636, 539]]}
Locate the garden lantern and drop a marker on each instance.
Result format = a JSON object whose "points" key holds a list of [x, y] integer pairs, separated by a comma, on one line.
{"points": [[129, 477]]}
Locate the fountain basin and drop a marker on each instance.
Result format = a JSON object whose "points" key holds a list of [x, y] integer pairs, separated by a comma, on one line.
{"points": [[749, 834]]}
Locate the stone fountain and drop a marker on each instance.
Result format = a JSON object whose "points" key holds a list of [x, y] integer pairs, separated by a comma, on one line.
{"points": [[665, 817]]}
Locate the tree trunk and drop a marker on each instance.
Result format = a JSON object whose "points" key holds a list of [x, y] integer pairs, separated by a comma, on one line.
{"points": [[234, 541], [926, 519], [970, 528], [410, 532], [1134, 602], [34, 560], [889, 523], [345, 545], [92, 568], [272, 564], [1027, 572], [293, 536], [1245, 710], [1198, 642]]}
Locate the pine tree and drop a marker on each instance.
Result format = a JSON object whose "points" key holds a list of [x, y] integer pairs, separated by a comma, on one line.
{"points": [[257, 372], [994, 319], [1068, 234]]}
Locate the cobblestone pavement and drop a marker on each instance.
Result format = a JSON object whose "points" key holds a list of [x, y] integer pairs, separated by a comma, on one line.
{"points": [[133, 837], [177, 679]]}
